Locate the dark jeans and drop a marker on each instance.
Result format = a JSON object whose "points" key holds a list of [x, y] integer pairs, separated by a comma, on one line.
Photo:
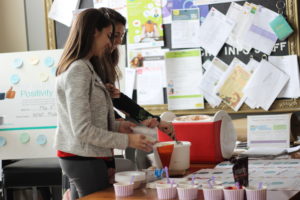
{"points": [[85, 176]]}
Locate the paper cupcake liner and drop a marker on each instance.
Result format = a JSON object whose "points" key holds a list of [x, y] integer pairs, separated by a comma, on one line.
{"points": [[234, 194], [166, 193], [213, 194], [256, 194], [187, 194], [123, 190]]}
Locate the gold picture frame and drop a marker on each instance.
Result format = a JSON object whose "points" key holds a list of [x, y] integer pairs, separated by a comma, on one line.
{"points": [[280, 105]]}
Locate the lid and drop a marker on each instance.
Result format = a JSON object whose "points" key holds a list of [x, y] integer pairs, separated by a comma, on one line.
{"points": [[126, 176], [176, 145], [228, 135], [192, 118]]}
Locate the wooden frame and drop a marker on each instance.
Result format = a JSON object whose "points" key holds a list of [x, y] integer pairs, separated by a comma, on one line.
{"points": [[280, 105]]}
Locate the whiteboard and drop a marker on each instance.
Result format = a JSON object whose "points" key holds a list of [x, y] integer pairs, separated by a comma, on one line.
{"points": [[27, 104]]}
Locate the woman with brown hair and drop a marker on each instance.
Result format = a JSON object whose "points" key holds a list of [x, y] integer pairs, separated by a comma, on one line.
{"points": [[87, 131], [120, 100]]}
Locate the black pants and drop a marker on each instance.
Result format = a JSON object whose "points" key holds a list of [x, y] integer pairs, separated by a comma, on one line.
{"points": [[86, 176]]}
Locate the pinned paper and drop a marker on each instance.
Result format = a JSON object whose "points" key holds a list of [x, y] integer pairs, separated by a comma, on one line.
{"points": [[49, 61], [62, 11], [24, 138], [17, 63], [41, 140], [15, 79], [281, 27], [34, 60], [44, 77], [2, 141]]}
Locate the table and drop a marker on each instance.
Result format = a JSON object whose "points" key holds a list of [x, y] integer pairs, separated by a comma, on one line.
{"points": [[150, 194]]}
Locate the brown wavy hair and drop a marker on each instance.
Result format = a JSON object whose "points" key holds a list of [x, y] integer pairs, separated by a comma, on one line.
{"points": [[109, 71], [81, 36]]}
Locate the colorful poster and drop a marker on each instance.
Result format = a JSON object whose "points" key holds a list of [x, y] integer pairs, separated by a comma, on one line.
{"points": [[144, 24], [169, 5]]}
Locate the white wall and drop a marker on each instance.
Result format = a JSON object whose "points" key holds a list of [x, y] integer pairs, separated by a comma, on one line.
{"points": [[12, 26]]}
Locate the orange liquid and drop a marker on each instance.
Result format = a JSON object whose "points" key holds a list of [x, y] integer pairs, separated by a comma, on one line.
{"points": [[165, 154]]}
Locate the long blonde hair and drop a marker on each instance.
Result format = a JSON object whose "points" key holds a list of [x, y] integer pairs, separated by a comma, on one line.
{"points": [[81, 36]]}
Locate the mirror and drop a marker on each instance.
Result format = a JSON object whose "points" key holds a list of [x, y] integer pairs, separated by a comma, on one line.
{"points": [[280, 105]]}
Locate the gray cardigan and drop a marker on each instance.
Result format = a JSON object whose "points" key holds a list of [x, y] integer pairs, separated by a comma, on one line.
{"points": [[86, 121]]}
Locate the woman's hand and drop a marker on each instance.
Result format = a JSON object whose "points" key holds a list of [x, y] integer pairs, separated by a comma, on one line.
{"points": [[139, 141], [125, 126], [167, 128], [151, 122], [114, 92]]}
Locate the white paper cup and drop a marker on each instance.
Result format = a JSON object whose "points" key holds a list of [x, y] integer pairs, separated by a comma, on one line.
{"points": [[123, 189], [233, 194], [187, 192], [166, 191], [253, 193], [214, 193]]}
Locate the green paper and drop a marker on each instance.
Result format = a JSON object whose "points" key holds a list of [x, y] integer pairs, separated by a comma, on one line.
{"points": [[281, 27], [24, 138]]}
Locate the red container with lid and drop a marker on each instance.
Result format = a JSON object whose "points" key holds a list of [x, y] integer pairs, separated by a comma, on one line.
{"points": [[208, 139]]}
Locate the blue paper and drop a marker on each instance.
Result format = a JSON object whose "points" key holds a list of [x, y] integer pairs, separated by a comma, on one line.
{"points": [[41, 140], [15, 79], [49, 61], [17, 63]]}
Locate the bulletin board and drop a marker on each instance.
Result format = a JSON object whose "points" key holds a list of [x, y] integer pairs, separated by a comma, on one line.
{"points": [[27, 104], [57, 34]]}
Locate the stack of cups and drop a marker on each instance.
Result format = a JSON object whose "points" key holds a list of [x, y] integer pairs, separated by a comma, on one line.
{"points": [[187, 191], [256, 193], [166, 191], [123, 189], [213, 193], [233, 193]]}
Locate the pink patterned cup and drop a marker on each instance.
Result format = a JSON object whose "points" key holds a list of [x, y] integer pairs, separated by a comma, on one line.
{"points": [[166, 191], [253, 193], [123, 189], [187, 192], [233, 193], [214, 193]]}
